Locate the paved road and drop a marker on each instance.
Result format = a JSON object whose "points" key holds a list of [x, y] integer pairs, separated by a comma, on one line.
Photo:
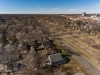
{"points": [[82, 61]]}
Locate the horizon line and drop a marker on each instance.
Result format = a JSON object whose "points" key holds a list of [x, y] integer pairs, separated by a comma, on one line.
{"points": [[42, 13]]}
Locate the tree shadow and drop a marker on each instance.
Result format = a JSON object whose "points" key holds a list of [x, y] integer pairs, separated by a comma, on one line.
{"points": [[75, 36], [96, 47], [40, 49], [59, 51], [67, 59], [74, 53]]}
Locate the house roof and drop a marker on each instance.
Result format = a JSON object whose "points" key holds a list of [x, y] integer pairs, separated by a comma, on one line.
{"points": [[16, 66], [56, 59], [45, 39], [47, 43], [51, 52], [78, 74]]}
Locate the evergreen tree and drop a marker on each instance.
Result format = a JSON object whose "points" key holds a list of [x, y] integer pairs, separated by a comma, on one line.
{"points": [[4, 39], [50, 69], [14, 39]]}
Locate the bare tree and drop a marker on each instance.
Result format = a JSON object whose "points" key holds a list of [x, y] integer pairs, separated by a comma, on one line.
{"points": [[32, 62]]}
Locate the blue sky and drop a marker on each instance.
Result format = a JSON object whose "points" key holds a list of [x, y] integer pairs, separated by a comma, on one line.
{"points": [[49, 6]]}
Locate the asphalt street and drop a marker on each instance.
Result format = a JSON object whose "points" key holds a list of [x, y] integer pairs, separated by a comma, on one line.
{"points": [[82, 61]]}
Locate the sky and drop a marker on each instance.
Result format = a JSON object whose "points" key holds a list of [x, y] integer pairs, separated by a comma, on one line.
{"points": [[49, 6]]}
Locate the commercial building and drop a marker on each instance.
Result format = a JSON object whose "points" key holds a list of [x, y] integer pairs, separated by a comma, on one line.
{"points": [[83, 14]]}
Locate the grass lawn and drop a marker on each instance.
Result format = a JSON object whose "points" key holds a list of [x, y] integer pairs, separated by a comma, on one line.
{"points": [[87, 55]]}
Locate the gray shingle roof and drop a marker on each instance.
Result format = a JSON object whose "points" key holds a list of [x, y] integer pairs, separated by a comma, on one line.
{"points": [[78, 74], [56, 59], [51, 52], [47, 43]]}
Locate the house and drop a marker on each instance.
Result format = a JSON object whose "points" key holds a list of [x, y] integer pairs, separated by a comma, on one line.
{"points": [[49, 46], [78, 73], [49, 50], [9, 68], [9, 58], [56, 59], [15, 67], [46, 42]]}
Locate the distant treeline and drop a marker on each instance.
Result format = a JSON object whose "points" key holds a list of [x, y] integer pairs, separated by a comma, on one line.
{"points": [[2, 15]]}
